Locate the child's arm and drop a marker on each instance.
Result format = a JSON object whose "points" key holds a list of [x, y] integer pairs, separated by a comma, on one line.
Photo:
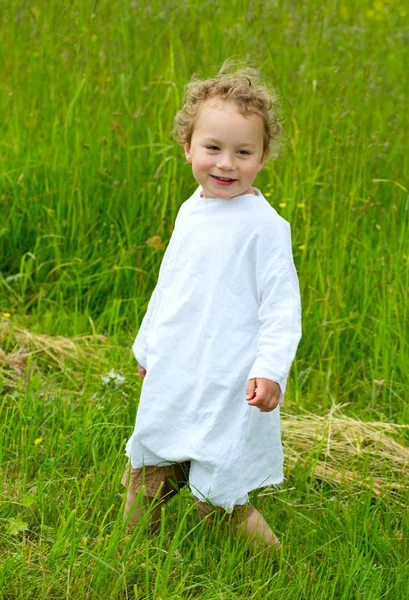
{"points": [[280, 321]]}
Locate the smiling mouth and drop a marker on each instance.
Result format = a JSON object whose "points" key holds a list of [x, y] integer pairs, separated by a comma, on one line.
{"points": [[223, 178]]}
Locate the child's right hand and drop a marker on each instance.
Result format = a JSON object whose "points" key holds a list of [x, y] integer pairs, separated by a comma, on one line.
{"points": [[142, 371]]}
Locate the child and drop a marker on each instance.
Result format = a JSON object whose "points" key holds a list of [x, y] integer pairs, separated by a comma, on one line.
{"points": [[223, 323]]}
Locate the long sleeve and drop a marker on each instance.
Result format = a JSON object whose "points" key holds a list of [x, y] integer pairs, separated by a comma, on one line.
{"points": [[140, 346], [279, 310]]}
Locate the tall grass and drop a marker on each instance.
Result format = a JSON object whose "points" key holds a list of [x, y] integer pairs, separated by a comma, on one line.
{"points": [[90, 184]]}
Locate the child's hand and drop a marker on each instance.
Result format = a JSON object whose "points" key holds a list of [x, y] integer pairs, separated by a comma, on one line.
{"points": [[263, 393], [141, 371]]}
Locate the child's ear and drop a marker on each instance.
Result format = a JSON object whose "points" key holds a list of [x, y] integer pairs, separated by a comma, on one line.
{"points": [[187, 152], [263, 159]]}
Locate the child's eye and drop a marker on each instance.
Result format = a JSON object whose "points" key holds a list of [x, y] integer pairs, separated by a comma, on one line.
{"points": [[244, 152], [212, 147]]}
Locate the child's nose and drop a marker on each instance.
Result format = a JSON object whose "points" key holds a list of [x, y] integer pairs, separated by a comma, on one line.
{"points": [[225, 161]]}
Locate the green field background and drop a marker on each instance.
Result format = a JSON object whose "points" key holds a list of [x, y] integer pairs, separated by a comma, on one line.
{"points": [[90, 184]]}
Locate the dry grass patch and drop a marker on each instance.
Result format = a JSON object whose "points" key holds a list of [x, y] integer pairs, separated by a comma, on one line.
{"points": [[19, 346], [339, 449]]}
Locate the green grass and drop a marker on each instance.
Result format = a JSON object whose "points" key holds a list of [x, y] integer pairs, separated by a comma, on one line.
{"points": [[62, 537], [90, 184]]}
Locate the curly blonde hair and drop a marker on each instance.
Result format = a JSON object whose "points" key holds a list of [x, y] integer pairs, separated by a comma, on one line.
{"points": [[244, 87]]}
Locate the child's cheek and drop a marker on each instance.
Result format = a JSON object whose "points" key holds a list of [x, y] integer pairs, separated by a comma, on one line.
{"points": [[205, 163], [201, 166]]}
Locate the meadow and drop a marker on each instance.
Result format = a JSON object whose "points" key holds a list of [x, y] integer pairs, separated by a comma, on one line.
{"points": [[90, 184]]}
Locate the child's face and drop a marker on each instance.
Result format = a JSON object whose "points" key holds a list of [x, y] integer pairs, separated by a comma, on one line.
{"points": [[226, 150]]}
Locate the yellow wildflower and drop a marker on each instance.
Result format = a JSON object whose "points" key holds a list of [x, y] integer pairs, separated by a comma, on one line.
{"points": [[301, 204], [115, 268], [302, 247], [282, 204], [267, 194], [38, 441], [6, 315]]}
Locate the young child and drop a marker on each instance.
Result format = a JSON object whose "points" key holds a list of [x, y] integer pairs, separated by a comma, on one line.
{"points": [[223, 323]]}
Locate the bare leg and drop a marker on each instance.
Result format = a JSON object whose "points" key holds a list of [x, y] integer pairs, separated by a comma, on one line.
{"points": [[253, 527], [140, 508], [256, 529]]}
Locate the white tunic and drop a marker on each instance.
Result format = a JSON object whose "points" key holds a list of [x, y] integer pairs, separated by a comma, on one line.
{"points": [[226, 308]]}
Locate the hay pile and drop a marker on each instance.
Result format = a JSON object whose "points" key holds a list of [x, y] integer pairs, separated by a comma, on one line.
{"points": [[20, 347], [342, 450]]}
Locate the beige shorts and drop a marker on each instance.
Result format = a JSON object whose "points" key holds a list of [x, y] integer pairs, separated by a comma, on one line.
{"points": [[162, 483]]}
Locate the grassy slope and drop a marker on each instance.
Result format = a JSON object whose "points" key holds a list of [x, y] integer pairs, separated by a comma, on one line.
{"points": [[89, 175]]}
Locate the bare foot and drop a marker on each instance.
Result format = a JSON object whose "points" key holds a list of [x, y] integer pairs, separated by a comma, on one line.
{"points": [[258, 532]]}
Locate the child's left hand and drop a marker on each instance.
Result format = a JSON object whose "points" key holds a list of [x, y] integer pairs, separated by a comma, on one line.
{"points": [[263, 393]]}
